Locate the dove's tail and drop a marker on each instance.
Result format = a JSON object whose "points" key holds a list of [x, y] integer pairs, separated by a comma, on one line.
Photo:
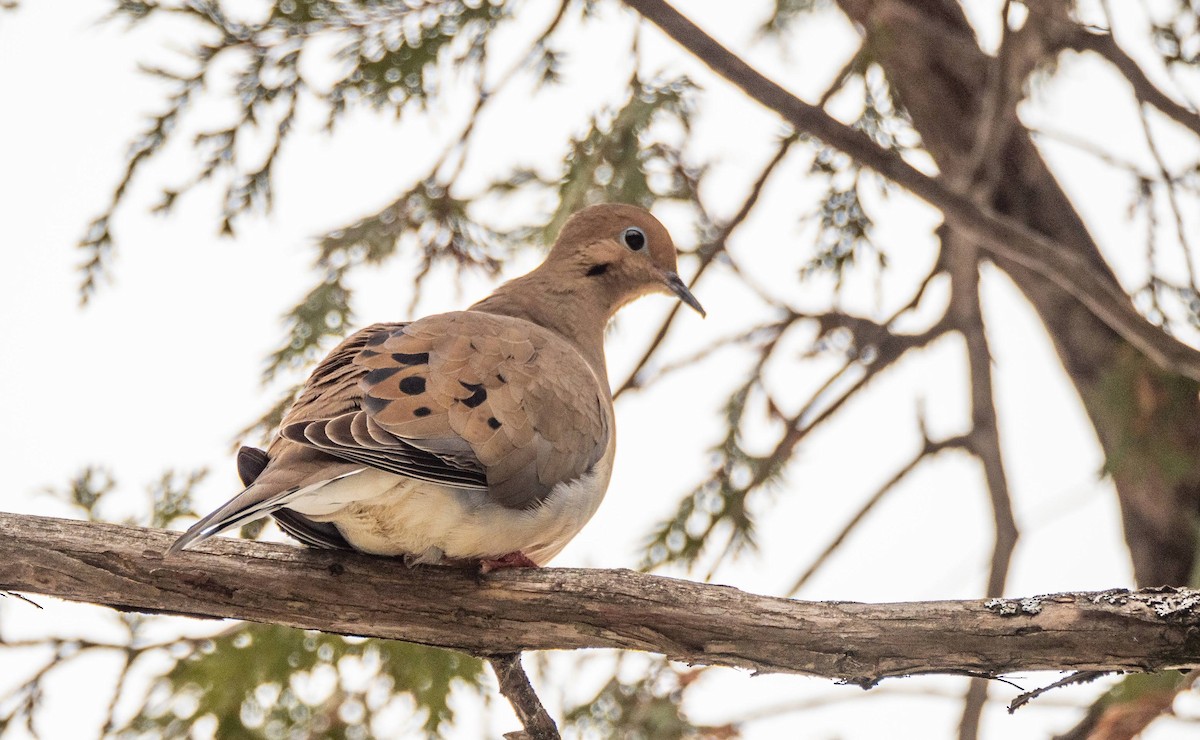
{"points": [[248, 505]]}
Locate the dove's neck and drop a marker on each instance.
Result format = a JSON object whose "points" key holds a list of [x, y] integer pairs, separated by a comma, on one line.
{"points": [[572, 308]]}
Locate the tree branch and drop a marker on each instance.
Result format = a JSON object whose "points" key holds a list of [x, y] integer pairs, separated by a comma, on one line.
{"points": [[1143, 89], [514, 684], [1002, 236], [929, 449], [557, 608], [983, 440], [966, 312]]}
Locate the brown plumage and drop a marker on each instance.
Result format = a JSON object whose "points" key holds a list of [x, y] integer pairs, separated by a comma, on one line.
{"points": [[479, 434]]}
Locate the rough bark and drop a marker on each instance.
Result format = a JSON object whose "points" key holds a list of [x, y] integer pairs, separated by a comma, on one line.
{"points": [[557, 608], [1144, 417]]}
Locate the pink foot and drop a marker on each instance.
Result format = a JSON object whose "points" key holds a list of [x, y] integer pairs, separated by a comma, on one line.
{"points": [[511, 560]]}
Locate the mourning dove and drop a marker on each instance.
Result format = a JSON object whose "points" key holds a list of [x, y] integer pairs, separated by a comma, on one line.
{"points": [[480, 435]]}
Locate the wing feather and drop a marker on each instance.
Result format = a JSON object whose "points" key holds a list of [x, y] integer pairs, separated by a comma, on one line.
{"points": [[466, 399]]}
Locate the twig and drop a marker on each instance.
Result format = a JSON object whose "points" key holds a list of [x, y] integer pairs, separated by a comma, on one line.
{"points": [[1077, 677], [1087, 147], [1140, 92], [708, 253], [839, 80], [484, 94], [759, 333], [1172, 198], [515, 686], [21, 597], [895, 691], [928, 449], [110, 714], [888, 347], [1105, 45]]}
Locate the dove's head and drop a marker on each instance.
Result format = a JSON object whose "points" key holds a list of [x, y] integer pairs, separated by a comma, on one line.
{"points": [[622, 252]]}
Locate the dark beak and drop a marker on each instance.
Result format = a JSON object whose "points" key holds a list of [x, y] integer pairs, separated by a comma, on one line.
{"points": [[677, 287]]}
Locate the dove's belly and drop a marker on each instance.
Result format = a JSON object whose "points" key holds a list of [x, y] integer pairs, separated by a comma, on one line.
{"points": [[387, 514]]}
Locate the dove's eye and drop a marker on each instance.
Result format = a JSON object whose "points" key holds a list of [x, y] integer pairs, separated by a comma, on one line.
{"points": [[634, 238]]}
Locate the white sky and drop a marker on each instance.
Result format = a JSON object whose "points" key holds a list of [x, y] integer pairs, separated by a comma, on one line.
{"points": [[163, 368]]}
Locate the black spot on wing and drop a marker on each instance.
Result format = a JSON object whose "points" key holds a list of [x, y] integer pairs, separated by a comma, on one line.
{"points": [[422, 411], [409, 359], [380, 374], [413, 385], [494, 423], [378, 338], [478, 394]]}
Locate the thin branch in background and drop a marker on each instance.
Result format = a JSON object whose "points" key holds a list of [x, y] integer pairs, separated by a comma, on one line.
{"points": [[755, 334], [881, 347], [759, 290], [974, 700], [484, 94], [1078, 677], [737, 472], [21, 597], [938, 269], [1019, 54], [1079, 143], [1129, 706], [515, 686], [928, 449], [29, 693], [1103, 44], [732, 544], [1172, 198], [1146, 94], [68, 650], [707, 254], [110, 715], [853, 66], [1144, 201], [892, 691]]}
